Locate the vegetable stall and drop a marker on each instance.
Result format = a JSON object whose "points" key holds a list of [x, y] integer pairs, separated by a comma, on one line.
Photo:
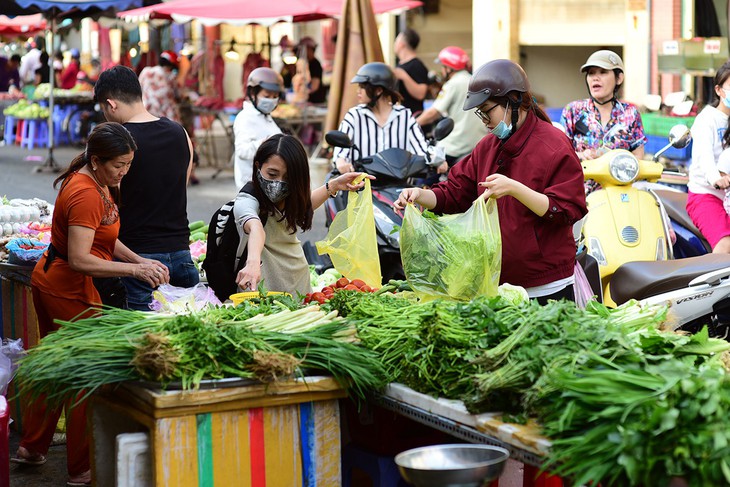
{"points": [[621, 401]]}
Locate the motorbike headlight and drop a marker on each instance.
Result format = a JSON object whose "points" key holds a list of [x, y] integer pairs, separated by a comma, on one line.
{"points": [[624, 167]]}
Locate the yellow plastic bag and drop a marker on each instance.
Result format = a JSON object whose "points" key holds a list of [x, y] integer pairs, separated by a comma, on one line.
{"points": [[351, 242], [452, 256]]}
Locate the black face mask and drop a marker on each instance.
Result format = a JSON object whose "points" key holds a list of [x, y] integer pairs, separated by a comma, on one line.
{"points": [[274, 189]]}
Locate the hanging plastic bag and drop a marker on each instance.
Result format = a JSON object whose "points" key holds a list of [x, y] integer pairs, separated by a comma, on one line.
{"points": [[452, 256], [10, 353], [582, 288], [351, 242]]}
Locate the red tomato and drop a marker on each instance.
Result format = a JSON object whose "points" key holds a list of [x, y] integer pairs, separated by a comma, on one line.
{"points": [[319, 297], [359, 283], [366, 289], [342, 282], [351, 287], [328, 291]]}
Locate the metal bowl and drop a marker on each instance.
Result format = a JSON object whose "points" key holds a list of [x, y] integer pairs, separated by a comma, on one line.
{"points": [[459, 465]]}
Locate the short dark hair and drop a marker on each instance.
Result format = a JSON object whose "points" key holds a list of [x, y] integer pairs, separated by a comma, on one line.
{"points": [[15, 58], [118, 83], [298, 211], [412, 38]]}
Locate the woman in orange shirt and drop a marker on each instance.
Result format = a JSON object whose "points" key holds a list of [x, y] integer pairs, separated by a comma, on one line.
{"points": [[83, 246]]}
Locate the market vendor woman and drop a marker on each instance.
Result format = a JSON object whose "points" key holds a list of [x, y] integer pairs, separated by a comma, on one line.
{"points": [[530, 167], [83, 244]]}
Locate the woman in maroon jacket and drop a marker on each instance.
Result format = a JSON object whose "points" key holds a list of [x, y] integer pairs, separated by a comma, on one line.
{"points": [[532, 170]]}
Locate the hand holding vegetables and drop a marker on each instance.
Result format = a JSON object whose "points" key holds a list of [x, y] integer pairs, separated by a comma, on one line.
{"points": [[249, 277], [424, 197]]}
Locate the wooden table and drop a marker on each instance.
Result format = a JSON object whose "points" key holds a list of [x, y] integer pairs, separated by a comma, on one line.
{"points": [[251, 434]]}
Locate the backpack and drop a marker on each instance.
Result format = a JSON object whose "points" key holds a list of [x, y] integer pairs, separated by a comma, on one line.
{"points": [[222, 245]]}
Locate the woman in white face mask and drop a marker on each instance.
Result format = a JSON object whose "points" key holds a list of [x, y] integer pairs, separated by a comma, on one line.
{"points": [[706, 185], [254, 123], [280, 205]]}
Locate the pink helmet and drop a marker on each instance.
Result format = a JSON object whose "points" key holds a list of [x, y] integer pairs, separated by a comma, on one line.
{"points": [[453, 57]]}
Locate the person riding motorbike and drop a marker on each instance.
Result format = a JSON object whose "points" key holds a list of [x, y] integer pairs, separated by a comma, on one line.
{"points": [[454, 63], [601, 122], [254, 123], [379, 122]]}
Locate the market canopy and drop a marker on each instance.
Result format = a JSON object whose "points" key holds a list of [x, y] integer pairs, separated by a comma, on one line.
{"points": [[22, 25], [83, 5], [241, 12]]}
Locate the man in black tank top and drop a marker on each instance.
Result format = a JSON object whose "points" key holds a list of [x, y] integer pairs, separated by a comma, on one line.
{"points": [[153, 209]]}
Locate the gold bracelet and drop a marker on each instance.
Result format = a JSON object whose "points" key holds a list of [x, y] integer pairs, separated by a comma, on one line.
{"points": [[327, 187]]}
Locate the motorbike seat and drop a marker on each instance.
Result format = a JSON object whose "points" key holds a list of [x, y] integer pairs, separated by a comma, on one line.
{"points": [[675, 203], [640, 280]]}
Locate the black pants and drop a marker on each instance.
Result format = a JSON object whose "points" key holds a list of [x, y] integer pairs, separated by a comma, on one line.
{"points": [[565, 293]]}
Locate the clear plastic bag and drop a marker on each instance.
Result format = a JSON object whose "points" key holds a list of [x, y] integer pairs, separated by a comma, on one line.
{"points": [[10, 352], [351, 241], [173, 299], [452, 256]]}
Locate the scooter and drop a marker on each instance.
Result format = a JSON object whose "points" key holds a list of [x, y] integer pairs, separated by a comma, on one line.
{"points": [[626, 223], [395, 169]]}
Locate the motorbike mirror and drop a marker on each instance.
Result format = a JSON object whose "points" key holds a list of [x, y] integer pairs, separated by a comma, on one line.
{"points": [[443, 128], [680, 136], [338, 139]]}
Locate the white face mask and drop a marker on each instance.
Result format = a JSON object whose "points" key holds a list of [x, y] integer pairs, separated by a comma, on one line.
{"points": [[726, 99], [266, 105]]}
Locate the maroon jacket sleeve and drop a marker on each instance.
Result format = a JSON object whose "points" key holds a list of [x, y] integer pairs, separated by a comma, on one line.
{"points": [[460, 190], [565, 190]]}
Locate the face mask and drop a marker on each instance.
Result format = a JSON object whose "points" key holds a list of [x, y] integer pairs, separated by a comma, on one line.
{"points": [[274, 189], [502, 130], [266, 105], [726, 100]]}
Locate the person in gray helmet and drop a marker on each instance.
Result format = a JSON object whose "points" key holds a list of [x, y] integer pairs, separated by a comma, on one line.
{"points": [[254, 123], [379, 121], [530, 168]]}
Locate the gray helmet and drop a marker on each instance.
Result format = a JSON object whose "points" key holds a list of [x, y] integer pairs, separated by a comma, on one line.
{"points": [[496, 78], [603, 59], [266, 78], [377, 74]]}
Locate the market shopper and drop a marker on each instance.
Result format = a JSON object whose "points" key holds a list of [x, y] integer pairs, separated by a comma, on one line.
{"points": [[254, 123], [282, 191], [159, 87], [602, 122], [532, 171], [9, 75], [379, 122], [706, 186], [411, 73], [316, 86], [67, 78], [449, 103], [154, 192], [83, 245]]}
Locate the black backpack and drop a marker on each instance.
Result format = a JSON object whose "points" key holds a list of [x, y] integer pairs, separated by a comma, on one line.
{"points": [[220, 257]]}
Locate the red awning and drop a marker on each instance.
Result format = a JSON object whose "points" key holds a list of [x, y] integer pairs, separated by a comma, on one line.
{"points": [[22, 24], [239, 12]]}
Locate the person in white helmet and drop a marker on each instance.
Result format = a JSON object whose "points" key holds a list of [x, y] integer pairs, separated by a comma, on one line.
{"points": [[254, 123]]}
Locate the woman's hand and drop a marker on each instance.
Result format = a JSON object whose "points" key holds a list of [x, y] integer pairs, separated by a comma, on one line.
{"points": [[152, 272], [408, 195], [249, 277], [344, 182], [499, 185], [723, 182]]}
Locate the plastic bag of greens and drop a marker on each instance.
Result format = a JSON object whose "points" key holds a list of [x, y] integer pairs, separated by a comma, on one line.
{"points": [[351, 241], [452, 256]]}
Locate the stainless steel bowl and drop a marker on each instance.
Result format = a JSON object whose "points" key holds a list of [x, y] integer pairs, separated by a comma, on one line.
{"points": [[460, 465]]}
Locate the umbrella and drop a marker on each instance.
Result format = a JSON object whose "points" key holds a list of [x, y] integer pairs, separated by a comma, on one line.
{"points": [[357, 43], [22, 25], [53, 9], [241, 12]]}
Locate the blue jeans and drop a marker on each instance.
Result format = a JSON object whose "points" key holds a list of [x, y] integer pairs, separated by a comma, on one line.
{"points": [[182, 274]]}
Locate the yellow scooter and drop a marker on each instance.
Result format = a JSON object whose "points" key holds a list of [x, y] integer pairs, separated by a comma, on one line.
{"points": [[626, 223]]}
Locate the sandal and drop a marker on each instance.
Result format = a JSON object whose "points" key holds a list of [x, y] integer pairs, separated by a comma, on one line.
{"points": [[24, 457], [82, 480]]}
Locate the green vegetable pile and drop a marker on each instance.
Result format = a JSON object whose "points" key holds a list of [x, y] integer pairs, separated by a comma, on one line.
{"points": [[119, 345]]}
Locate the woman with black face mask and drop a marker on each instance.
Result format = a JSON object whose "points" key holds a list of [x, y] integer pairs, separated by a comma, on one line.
{"points": [[281, 191], [254, 123]]}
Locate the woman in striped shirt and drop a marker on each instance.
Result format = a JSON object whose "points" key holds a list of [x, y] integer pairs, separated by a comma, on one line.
{"points": [[379, 122]]}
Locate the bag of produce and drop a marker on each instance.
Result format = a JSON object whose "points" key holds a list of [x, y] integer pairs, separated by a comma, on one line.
{"points": [[456, 256], [351, 242], [25, 251]]}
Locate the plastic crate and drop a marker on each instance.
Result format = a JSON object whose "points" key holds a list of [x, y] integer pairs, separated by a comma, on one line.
{"points": [[655, 142], [656, 124]]}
